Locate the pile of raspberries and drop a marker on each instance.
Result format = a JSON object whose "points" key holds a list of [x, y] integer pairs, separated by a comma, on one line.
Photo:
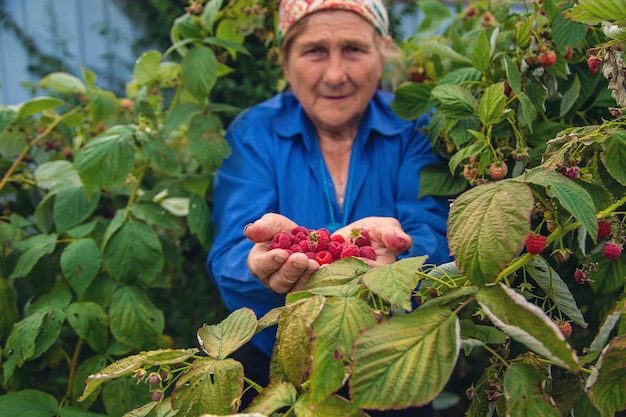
{"points": [[318, 244]]}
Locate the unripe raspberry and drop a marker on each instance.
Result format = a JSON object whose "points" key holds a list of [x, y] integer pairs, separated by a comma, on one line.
{"points": [[154, 378], [547, 59], [157, 395], [611, 250], [498, 170], [565, 328], [594, 63]]}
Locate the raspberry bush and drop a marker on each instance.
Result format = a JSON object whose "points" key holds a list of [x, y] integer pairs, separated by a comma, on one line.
{"points": [[505, 329]]}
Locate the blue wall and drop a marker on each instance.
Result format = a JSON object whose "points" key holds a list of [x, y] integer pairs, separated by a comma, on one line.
{"points": [[92, 33]]}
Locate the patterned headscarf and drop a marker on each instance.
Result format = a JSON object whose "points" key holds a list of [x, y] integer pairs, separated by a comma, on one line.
{"points": [[291, 11]]}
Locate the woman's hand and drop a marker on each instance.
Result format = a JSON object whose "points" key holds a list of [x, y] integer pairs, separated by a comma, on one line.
{"points": [[275, 268], [387, 238]]}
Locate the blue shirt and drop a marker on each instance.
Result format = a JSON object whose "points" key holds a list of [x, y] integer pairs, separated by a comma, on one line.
{"points": [[276, 166]]}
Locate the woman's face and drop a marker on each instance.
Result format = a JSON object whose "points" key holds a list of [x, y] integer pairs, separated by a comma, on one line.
{"points": [[334, 67]]}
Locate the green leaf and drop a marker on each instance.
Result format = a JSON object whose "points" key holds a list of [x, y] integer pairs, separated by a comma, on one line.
{"points": [[222, 339], [406, 360], [28, 403], [80, 263], [460, 76], [134, 319], [592, 12], [90, 323], [38, 105], [526, 395], [412, 100], [395, 282], [209, 386], [556, 289], [340, 322], [523, 32], [526, 323], [614, 155], [606, 383], [7, 116], [206, 141], [107, 159], [72, 206], [275, 396], [339, 272], [53, 173], [528, 112], [487, 227], [34, 248], [63, 83], [134, 254], [435, 14], [291, 358], [486, 334], [199, 72], [232, 46], [77, 412], [8, 307], [102, 104], [513, 75], [124, 394], [333, 406], [444, 51], [199, 219], [210, 13], [163, 157], [30, 338], [572, 196], [178, 119], [481, 53], [492, 104], [435, 179], [88, 366], [456, 102], [146, 68], [570, 97], [606, 329], [566, 32]]}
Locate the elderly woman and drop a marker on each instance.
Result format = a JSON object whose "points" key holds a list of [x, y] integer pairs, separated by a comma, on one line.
{"points": [[329, 153]]}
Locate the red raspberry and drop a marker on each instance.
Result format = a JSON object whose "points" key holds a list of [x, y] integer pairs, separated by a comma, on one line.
{"points": [[318, 239], [570, 172], [323, 257], [335, 249], [547, 59], [565, 328], [367, 252], [281, 240], [594, 63], [296, 248], [338, 239], [535, 244], [611, 250], [580, 277], [604, 229], [305, 245], [349, 249], [310, 255], [360, 237], [299, 229]]}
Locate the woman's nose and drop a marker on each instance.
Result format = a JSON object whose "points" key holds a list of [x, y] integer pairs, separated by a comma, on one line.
{"points": [[335, 72]]}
